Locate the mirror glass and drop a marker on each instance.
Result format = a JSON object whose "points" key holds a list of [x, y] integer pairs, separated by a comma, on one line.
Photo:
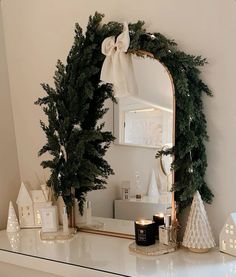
{"points": [[147, 119], [142, 125]]}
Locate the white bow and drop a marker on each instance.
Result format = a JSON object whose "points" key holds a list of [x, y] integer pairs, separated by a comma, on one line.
{"points": [[117, 67], [110, 46]]}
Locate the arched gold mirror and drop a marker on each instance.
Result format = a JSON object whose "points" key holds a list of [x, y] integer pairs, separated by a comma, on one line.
{"points": [[143, 123], [146, 119]]}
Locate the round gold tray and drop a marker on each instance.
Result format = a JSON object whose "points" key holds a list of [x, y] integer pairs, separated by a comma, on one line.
{"points": [[153, 250]]}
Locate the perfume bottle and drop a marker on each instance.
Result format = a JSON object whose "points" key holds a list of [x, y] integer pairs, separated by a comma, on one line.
{"points": [[165, 231], [164, 235]]}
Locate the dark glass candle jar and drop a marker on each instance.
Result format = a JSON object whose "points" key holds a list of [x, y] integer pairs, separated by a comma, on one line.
{"points": [[145, 232], [159, 221]]}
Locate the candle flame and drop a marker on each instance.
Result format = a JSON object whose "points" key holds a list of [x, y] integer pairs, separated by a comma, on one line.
{"points": [[144, 222], [160, 215]]}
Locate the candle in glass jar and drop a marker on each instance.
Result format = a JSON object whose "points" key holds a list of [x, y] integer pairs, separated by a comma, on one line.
{"points": [[159, 221], [144, 232], [159, 218]]}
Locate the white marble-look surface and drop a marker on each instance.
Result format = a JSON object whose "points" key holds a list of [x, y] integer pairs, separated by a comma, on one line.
{"points": [[112, 255]]}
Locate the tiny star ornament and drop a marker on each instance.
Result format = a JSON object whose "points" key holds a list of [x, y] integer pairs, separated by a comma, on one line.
{"points": [[198, 235], [12, 221]]}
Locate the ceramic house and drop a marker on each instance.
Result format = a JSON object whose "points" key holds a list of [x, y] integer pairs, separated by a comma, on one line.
{"points": [[29, 205], [39, 201], [228, 236]]}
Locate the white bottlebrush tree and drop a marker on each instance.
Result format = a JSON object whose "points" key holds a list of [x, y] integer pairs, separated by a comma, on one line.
{"points": [[198, 235], [12, 221]]}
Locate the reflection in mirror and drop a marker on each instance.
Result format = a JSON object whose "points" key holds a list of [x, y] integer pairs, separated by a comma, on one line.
{"points": [[147, 118], [139, 123], [166, 162], [143, 123]]}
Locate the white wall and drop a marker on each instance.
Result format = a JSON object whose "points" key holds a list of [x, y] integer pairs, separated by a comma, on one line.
{"points": [[40, 32], [9, 171]]}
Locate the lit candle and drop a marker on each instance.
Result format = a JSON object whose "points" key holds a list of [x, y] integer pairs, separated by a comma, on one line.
{"points": [[144, 222], [159, 218], [144, 232], [159, 221]]}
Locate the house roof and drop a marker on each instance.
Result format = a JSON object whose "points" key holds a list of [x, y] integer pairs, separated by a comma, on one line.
{"points": [[37, 195], [24, 195]]}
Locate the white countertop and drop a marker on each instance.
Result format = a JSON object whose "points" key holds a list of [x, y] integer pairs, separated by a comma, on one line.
{"points": [[112, 255]]}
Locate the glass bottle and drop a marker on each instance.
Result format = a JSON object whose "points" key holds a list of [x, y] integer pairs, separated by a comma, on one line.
{"points": [[138, 187]]}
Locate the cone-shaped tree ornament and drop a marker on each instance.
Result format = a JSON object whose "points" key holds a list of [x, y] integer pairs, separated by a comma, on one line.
{"points": [[198, 235], [12, 222], [153, 188]]}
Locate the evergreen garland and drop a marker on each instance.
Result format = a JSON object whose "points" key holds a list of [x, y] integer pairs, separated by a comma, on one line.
{"points": [[78, 145]]}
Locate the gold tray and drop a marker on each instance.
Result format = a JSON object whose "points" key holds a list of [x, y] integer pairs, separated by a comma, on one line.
{"points": [[59, 235], [153, 250]]}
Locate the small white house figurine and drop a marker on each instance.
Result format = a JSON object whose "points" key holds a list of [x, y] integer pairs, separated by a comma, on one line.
{"points": [[29, 205], [228, 236]]}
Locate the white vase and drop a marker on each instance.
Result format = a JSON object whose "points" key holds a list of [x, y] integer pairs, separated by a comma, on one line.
{"points": [[84, 219]]}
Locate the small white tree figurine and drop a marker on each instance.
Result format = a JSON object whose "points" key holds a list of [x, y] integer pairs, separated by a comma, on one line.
{"points": [[153, 188], [198, 235], [12, 221]]}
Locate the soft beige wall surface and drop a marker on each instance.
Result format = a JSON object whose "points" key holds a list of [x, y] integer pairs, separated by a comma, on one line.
{"points": [[40, 32], [9, 171]]}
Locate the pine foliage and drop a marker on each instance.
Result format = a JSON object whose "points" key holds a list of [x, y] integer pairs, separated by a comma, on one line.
{"points": [[78, 145], [75, 140]]}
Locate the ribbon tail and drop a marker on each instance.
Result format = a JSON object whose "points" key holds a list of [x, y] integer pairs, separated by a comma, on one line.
{"points": [[117, 67], [124, 79], [106, 71]]}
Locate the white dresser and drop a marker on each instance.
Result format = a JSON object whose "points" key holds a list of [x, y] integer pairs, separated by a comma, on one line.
{"points": [[90, 255]]}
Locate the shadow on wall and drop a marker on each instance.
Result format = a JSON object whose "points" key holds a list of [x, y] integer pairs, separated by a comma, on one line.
{"points": [[9, 169]]}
